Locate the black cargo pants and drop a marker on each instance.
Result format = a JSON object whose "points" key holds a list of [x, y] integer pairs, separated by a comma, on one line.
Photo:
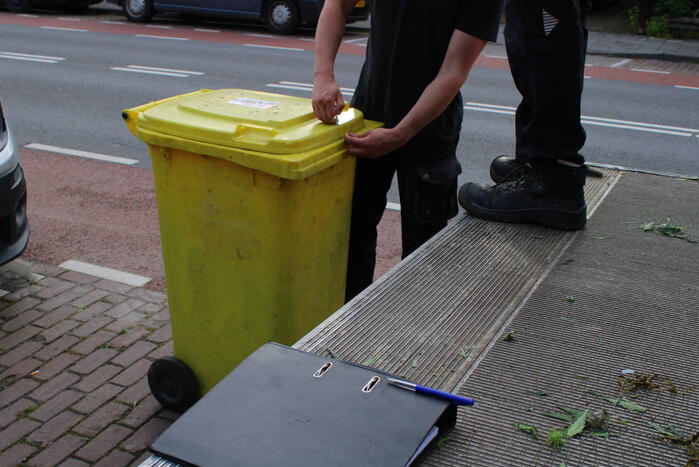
{"points": [[427, 186], [546, 43]]}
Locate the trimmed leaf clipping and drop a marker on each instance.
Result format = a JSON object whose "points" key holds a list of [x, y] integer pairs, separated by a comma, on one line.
{"points": [[532, 430], [577, 426]]}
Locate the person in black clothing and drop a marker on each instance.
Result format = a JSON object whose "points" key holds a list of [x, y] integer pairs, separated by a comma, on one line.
{"points": [[418, 56], [546, 43]]}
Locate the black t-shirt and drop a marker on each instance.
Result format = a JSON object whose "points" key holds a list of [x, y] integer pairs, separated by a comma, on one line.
{"points": [[407, 45]]}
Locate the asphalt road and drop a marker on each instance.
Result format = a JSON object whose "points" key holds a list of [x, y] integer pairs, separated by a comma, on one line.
{"points": [[75, 100]]}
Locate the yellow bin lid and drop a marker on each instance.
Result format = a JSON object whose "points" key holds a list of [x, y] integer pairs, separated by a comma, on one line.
{"points": [[270, 132]]}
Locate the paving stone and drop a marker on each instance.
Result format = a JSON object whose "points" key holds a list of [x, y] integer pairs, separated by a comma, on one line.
{"points": [[141, 459], [73, 463], [9, 414], [78, 277], [59, 314], [46, 269], [16, 454], [54, 428], [16, 431], [56, 347], [144, 411], [21, 320], [124, 340], [103, 443], [52, 455], [97, 339], [148, 295], [90, 298], [91, 362], [136, 392], [19, 307], [162, 351], [58, 330], [136, 351], [62, 401], [19, 353], [126, 322], [92, 325], [20, 369], [23, 292], [104, 416], [133, 373], [55, 385], [115, 298], [16, 390], [150, 308], [55, 288], [56, 365], [97, 398], [145, 435], [17, 337], [116, 459], [64, 298], [162, 315], [98, 377], [112, 286], [96, 309], [163, 334], [124, 308]]}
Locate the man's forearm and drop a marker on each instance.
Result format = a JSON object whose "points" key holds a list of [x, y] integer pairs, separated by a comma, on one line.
{"points": [[329, 33]]}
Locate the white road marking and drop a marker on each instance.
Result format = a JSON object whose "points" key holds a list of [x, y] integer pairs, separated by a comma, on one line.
{"points": [[686, 87], [68, 19], [305, 87], [650, 71], [83, 154], [30, 57], [158, 26], [274, 47], [207, 30], [496, 56], [618, 64], [52, 28], [119, 23], [161, 73], [3, 292], [147, 36], [264, 36], [393, 206], [105, 273], [599, 121], [307, 39], [167, 70], [24, 15]]}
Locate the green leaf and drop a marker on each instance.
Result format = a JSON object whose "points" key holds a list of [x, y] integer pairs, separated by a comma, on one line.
{"points": [[370, 361], [604, 434], [569, 299], [510, 336], [464, 353], [539, 393], [443, 441], [599, 237], [556, 439], [577, 426], [627, 404], [582, 377], [532, 430], [563, 318], [574, 412], [413, 364]]}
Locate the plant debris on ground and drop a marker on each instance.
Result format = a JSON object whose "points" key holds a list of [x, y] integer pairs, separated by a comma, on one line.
{"points": [[667, 229], [629, 383]]}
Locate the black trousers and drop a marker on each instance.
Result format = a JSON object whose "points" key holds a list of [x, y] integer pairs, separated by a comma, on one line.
{"points": [[427, 191], [546, 44]]}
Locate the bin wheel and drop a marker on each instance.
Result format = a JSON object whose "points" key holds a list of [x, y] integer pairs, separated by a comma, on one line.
{"points": [[173, 384]]}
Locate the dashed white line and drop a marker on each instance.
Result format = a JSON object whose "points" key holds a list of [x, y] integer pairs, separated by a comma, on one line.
{"points": [[167, 70], [147, 36], [642, 70], [207, 30], [68, 19], [687, 87], [305, 87], [30, 57], [150, 72], [264, 36], [274, 47], [393, 206], [158, 26], [496, 56], [118, 23], [599, 121], [24, 15], [83, 154], [53, 28], [621, 63], [105, 273]]}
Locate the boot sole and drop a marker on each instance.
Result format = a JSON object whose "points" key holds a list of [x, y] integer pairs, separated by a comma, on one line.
{"points": [[551, 218]]}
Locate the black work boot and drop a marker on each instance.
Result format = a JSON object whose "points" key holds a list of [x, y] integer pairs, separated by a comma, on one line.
{"points": [[551, 196], [505, 168]]}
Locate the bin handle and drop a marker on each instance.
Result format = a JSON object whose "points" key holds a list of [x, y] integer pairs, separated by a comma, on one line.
{"points": [[253, 132]]}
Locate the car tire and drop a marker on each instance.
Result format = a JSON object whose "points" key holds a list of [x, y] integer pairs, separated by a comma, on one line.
{"points": [[138, 11], [18, 6], [282, 16]]}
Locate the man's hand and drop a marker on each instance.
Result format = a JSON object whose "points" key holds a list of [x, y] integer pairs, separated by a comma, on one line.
{"points": [[327, 99], [374, 143]]}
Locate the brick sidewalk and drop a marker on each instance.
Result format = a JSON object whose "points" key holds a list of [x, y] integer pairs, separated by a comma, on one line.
{"points": [[74, 353]]}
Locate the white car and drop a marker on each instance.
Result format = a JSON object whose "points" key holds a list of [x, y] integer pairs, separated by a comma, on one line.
{"points": [[14, 227]]}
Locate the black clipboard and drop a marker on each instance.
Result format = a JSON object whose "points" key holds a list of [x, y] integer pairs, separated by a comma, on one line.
{"points": [[285, 407]]}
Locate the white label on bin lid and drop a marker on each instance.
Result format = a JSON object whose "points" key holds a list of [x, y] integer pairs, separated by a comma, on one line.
{"points": [[246, 102]]}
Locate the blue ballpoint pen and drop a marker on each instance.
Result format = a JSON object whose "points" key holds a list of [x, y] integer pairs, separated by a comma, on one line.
{"points": [[447, 396]]}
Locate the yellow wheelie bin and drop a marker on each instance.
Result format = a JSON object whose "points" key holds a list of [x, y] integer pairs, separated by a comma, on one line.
{"points": [[254, 197]]}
